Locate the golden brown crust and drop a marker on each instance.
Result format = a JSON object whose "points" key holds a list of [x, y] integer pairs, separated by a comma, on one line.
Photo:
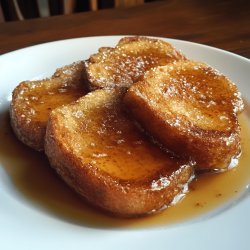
{"points": [[33, 100], [192, 110], [127, 62], [101, 154]]}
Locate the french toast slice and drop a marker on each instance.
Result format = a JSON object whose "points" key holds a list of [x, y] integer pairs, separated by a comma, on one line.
{"points": [[102, 155], [128, 61], [191, 109], [32, 102]]}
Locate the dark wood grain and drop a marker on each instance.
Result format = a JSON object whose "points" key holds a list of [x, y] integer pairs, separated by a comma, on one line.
{"points": [[224, 24]]}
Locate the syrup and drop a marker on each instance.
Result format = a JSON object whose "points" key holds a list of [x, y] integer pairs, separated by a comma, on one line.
{"points": [[36, 182]]}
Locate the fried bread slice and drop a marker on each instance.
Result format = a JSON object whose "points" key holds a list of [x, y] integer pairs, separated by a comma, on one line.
{"points": [[32, 102], [102, 155], [191, 109], [127, 62]]}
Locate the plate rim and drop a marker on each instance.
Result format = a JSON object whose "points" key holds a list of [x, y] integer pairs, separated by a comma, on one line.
{"points": [[118, 36]]}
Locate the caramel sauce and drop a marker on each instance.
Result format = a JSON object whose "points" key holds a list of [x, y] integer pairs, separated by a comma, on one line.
{"points": [[37, 183]]}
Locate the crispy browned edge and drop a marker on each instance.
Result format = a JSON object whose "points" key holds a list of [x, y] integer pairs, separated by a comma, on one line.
{"points": [[119, 197], [206, 148], [32, 133], [92, 84]]}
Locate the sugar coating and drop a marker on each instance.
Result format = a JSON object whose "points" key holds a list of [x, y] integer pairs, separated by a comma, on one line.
{"points": [[128, 61], [206, 97]]}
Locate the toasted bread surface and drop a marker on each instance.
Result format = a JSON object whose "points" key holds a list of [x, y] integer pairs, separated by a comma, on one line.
{"points": [[101, 154], [32, 102], [192, 110], [127, 62]]}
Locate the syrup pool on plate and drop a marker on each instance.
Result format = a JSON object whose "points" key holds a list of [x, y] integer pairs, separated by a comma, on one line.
{"points": [[37, 184]]}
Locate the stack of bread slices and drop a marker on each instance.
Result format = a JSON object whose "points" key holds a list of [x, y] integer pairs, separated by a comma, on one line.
{"points": [[130, 127]]}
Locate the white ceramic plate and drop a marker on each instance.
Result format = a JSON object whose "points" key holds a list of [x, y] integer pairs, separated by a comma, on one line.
{"points": [[26, 224]]}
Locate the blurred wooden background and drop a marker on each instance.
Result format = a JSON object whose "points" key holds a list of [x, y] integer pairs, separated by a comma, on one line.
{"points": [[13, 10]]}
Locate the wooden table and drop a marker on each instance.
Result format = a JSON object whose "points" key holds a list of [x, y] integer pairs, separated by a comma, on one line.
{"points": [[224, 24]]}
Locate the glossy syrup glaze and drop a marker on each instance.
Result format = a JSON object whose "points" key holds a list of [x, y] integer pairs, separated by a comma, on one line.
{"points": [[105, 137], [36, 99], [37, 183]]}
